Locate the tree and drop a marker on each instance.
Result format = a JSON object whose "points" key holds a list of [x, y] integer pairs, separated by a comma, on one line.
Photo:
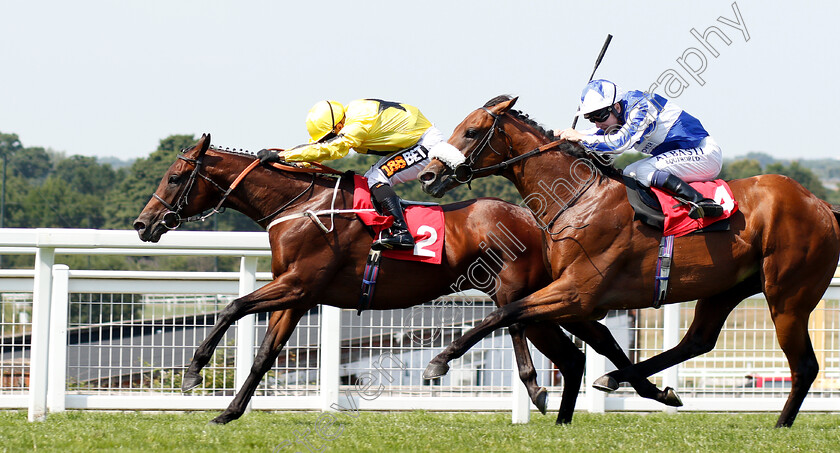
{"points": [[31, 163], [739, 169], [131, 193], [9, 144], [57, 205], [627, 158], [85, 175]]}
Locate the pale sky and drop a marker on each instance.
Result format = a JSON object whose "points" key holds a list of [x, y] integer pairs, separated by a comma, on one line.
{"points": [[111, 78]]}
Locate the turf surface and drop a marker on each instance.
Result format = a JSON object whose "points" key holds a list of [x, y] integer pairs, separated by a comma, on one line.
{"points": [[415, 431]]}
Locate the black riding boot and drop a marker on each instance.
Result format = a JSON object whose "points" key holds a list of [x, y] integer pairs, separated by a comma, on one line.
{"points": [[398, 236], [698, 205]]}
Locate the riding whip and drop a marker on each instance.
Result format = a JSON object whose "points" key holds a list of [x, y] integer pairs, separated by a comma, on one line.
{"points": [[597, 63]]}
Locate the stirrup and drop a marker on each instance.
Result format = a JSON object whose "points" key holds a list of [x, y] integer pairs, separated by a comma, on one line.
{"points": [[399, 241], [704, 209]]}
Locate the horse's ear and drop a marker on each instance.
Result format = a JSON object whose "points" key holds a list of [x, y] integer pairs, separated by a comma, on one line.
{"points": [[204, 144], [504, 106]]}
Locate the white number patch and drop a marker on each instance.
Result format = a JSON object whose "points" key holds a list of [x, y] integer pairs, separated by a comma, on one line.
{"points": [[722, 198], [419, 249]]}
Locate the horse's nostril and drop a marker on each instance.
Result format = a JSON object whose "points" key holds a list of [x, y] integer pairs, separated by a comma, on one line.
{"points": [[139, 226], [426, 176]]}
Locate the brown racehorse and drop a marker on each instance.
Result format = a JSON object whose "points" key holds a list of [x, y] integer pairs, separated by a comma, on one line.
{"points": [[312, 266], [783, 242]]}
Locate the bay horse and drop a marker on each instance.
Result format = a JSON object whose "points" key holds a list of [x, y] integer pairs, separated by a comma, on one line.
{"points": [[311, 265], [783, 241]]}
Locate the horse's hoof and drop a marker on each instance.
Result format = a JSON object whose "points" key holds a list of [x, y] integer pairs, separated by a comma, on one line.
{"points": [[671, 398], [191, 380], [606, 383], [541, 401], [220, 420], [434, 370]]}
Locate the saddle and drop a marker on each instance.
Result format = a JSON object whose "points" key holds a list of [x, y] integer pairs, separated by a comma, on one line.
{"points": [[648, 209], [647, 206]]}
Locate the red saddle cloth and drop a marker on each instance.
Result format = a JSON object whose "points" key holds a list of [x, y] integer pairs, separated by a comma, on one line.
{"points": [[425, 223], [677, 221]]}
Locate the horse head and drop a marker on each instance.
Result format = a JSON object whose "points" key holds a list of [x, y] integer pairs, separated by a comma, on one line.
{"points": [[482, 139], [175, 198]]}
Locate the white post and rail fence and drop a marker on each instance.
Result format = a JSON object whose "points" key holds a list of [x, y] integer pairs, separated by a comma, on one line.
{"points": [[118, 340]]}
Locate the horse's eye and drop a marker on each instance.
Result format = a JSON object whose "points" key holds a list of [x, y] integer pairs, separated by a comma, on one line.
{"points": [[173, 179], [471, 133]]}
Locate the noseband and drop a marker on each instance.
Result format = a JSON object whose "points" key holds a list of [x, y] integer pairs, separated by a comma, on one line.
{"points": [[172, 218], [464, 173]]}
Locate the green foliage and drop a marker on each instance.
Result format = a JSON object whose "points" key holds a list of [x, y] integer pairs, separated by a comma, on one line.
{"points": [[56, 204], [85, 175], [739, 169], [626, 158], [744, 168], [133, 191], [30, 163], [9, 144], [802, 175]]}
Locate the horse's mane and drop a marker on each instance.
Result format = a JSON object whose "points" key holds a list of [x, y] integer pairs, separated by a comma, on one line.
{"points": [[570, 148], [240, 152], [250, 155]]}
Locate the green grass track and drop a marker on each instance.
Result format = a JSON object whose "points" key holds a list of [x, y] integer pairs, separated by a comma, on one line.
{"points": [[416, 431]]}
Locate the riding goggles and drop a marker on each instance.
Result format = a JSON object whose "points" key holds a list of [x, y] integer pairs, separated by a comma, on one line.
{"points": [[599, 116]]}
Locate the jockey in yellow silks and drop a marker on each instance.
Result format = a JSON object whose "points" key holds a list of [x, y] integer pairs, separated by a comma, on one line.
{"points": [[398, 132]]}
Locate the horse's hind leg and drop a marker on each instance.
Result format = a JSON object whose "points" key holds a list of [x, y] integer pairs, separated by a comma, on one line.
{"points": [[792, 332], [791, 300], [557, 347], [599, 338], [280, 327], [709, 317], [525, 367]]}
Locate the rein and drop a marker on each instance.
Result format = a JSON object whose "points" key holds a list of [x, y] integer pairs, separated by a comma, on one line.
{"points": [[464, 173], [172, 219]]}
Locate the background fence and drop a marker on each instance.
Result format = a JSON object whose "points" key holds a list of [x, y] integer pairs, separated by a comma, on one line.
{"points": [[84, 339]]}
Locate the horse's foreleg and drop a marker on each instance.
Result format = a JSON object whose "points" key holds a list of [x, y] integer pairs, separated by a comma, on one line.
{"points": [[599, 338], [542, 304], [276, 294], [525, 366], [555, 345], [709, 316], [280, 327]]}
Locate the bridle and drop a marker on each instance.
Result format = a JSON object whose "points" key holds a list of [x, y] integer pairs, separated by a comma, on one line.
{"points": [[465, 173], [172, 219]]}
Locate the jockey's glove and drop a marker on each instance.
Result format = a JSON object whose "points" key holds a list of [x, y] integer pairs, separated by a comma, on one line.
{"points": [[267, 156]]}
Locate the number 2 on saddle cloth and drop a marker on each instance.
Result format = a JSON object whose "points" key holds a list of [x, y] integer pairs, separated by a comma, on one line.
{"points": [[425, 222]]}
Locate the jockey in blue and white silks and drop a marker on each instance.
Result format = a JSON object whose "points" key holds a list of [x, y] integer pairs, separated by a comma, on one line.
{"points": [[680, 148]]}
